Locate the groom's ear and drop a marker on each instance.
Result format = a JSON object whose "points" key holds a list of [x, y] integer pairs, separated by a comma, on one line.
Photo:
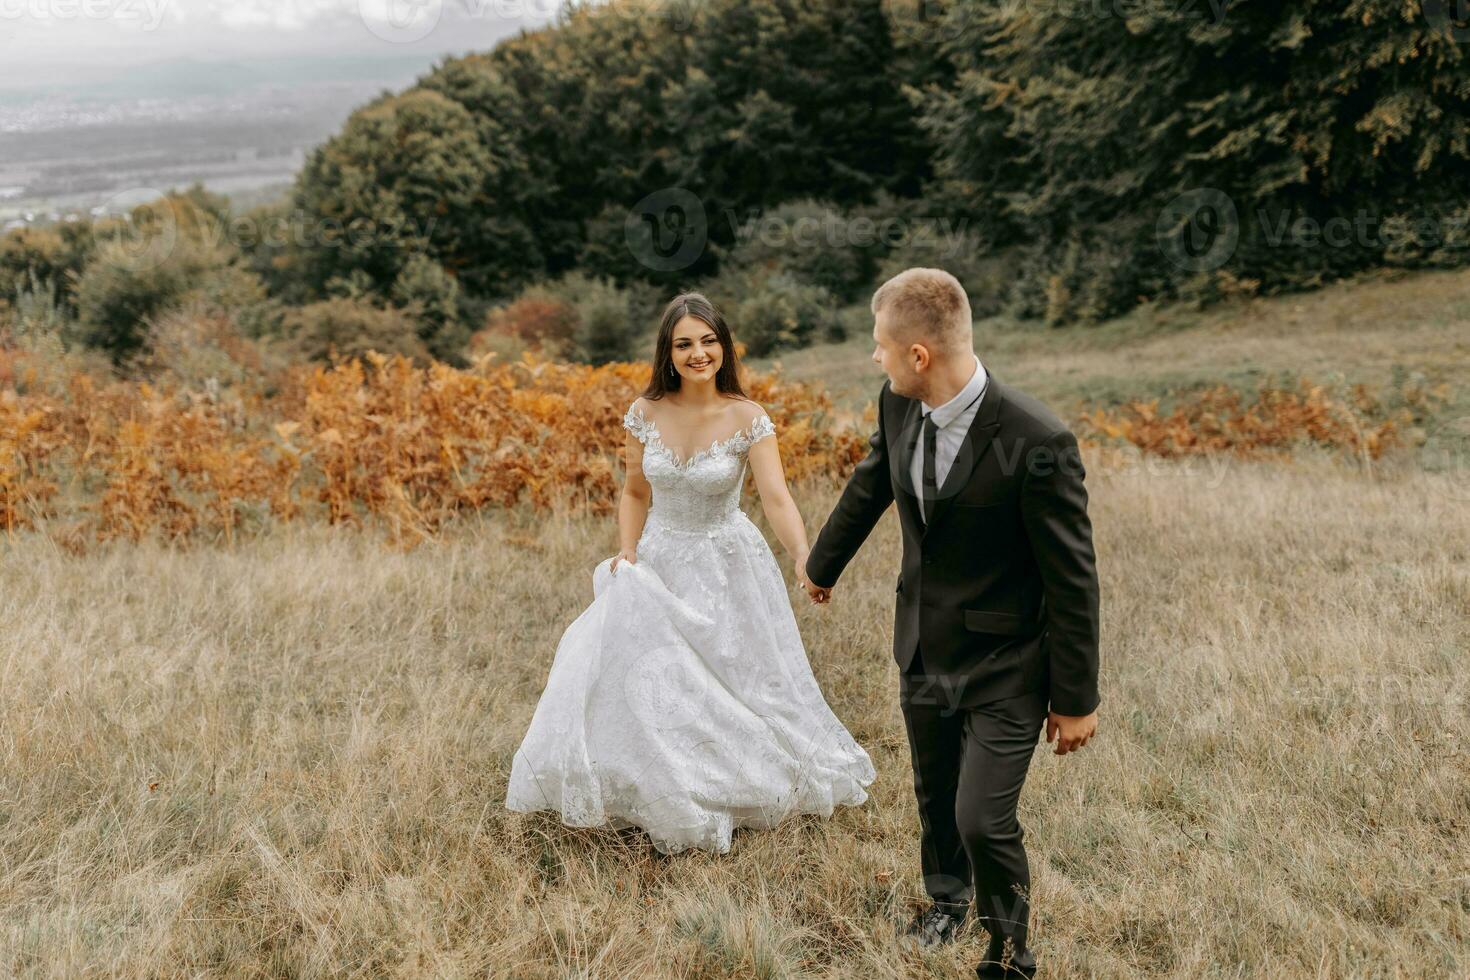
{"points": [[920, 355]]}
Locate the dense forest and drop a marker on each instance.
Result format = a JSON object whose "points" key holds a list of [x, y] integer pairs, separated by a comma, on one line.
{"points": [[1066, 161]]}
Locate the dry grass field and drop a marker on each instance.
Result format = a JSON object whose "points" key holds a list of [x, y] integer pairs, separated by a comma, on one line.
{"points": [[288, 758]]}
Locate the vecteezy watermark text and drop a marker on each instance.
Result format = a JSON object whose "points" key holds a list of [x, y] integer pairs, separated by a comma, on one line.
{"points": [[1200, 229], [149, 13]]}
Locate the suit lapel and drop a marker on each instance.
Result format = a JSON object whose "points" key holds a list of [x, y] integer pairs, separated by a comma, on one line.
{"points": [[908, 434], [977, 440]]}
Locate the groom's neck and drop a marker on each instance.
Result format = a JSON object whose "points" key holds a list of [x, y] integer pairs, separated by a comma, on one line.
{"points": [[950, 376]]}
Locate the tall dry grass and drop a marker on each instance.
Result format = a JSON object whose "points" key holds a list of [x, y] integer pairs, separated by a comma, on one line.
{"points": [[288, 758]]}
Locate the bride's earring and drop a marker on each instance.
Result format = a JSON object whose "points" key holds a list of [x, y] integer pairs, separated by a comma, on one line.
{"points": [[672, 373]]}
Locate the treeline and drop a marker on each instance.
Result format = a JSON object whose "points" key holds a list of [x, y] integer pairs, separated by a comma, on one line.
{"points": [[1066, 159]]}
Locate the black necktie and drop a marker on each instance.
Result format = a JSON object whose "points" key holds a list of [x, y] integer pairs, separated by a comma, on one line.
{"points": [[931, 488]]}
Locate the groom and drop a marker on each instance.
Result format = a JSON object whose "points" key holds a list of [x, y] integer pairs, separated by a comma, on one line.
{"points": [[996, 624]]}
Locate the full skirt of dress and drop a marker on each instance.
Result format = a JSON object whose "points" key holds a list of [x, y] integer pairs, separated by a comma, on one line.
{"points": [[681, 701]]}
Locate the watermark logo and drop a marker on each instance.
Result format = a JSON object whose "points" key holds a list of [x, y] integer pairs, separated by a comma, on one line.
{"points": [[1212, 10], [1380, 690], [1363, 229], [1447, 451], [1450, 17], [400, 21], [925, 20], [667, 230], [926, 690], [1036, 459], [943, 237], [664, 689], [1199, 229], [678, 15], [152, 226]]}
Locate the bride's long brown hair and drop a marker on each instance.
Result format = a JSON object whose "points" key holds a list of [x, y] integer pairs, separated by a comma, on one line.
{"points": [[666, 377]]}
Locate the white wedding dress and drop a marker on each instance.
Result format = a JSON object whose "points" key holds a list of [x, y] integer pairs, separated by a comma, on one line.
{"points": [[681, 700]]}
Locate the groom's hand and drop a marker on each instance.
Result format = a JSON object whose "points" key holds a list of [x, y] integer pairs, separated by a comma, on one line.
{"points": [[817, 593], [1070, 731]]}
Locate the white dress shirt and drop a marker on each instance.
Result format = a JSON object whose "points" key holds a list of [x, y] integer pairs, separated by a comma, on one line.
{"points": [[953, 420]]}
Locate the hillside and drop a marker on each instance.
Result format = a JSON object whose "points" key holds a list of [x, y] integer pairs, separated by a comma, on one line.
{"points": [[1363, 331]]}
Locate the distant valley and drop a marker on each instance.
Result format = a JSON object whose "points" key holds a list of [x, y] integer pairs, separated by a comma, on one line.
{"points": [[240, 128]]}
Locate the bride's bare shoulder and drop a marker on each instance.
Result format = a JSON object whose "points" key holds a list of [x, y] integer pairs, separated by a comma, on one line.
{"points": [[747, 411], [643, 406]]}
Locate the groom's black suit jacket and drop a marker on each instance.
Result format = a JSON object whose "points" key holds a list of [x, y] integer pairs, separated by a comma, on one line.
{"points": [[1000, 588]]}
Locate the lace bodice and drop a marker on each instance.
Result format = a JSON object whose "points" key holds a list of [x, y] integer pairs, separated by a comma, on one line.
{"points": [[702, 492]]}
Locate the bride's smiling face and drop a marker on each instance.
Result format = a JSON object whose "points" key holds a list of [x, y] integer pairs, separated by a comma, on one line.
{"points": [[696, 353]]}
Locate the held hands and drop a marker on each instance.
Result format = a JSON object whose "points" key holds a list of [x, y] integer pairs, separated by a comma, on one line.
{"points": [[817, 593], [1071, 731]]}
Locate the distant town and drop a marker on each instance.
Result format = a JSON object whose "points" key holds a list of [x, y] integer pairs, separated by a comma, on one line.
{"points": [[84, 151]]}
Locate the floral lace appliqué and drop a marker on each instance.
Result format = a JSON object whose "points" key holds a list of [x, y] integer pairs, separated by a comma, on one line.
{"points": [[647, 432]]}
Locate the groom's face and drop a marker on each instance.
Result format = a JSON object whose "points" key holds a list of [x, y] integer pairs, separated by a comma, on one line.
{"points": [[899, 360]]}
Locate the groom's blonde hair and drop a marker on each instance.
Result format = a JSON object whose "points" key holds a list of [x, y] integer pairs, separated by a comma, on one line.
{"points": [[929, 307]]}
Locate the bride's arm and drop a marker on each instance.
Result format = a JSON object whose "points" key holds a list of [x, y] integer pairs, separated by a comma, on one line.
{"points": [[636, 496], [776, 501]]}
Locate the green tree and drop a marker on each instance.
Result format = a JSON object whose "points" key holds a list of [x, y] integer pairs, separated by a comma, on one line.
{"points": [[1163, 152], [530, 157], [409, 174]]}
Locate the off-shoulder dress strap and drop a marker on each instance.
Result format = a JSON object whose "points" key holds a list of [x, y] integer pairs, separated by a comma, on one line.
{"points": [[759, 427], [635, 422]]}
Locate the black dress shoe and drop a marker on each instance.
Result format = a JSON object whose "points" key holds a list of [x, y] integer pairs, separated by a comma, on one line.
{"points": [[935, 926], [995, 966]]}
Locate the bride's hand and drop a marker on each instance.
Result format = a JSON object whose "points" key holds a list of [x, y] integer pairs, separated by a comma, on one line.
{"points": [[628, 556], [800, 563]]}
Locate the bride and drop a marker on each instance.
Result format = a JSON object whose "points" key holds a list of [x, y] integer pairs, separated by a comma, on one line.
{"points": [[681, 700]]}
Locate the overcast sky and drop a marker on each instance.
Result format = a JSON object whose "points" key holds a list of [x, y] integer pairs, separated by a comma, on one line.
{"points": [[45, 42]]}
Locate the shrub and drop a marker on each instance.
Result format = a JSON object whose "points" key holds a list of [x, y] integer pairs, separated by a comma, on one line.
{"points": [[343, 328], [607, 318], [430, 297], [577, 317], [27, 255], [768, 312], [415, 446], [163, 254], [121, 289], [1088, 278], [536, 317], [199, 348], [35, 310]]}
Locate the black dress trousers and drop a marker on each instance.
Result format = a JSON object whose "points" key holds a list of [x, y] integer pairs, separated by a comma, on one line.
{"points": [[969, 766]]}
